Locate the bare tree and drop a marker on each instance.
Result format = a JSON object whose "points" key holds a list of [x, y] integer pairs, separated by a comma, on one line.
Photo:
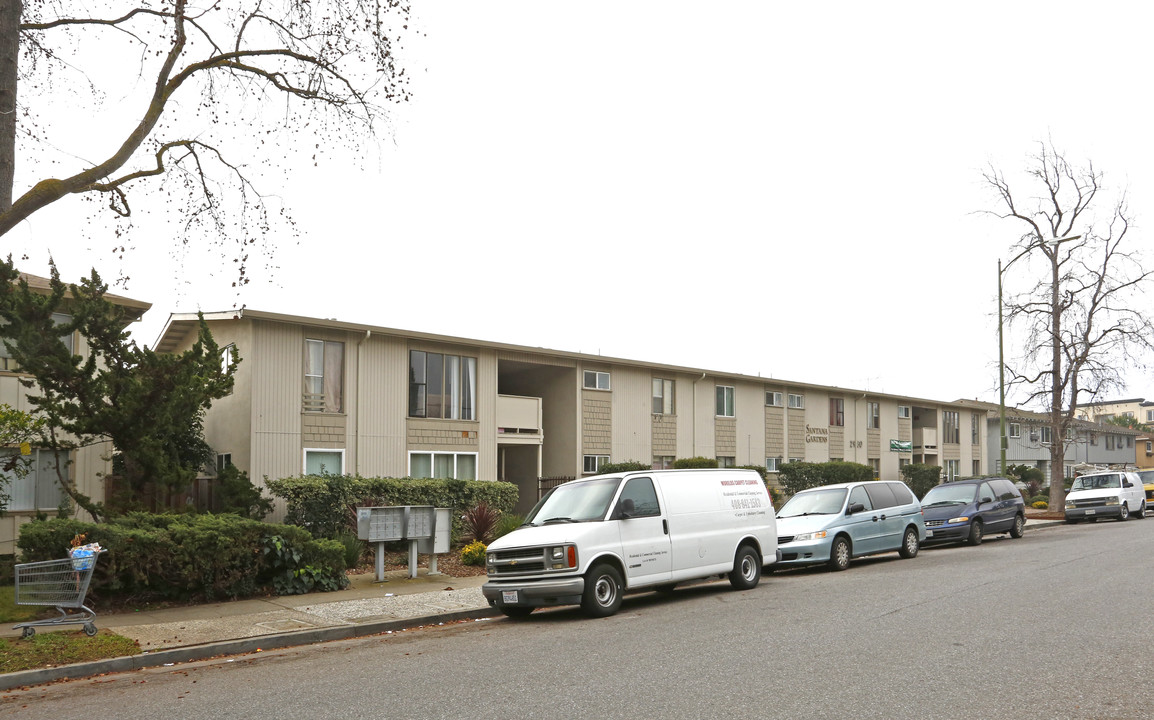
{"points": [[1081, 324], [318, 68]]}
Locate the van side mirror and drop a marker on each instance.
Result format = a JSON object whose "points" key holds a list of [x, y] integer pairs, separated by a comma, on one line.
{"points": [[1127, 484], [985, 500], [626, 508], [854, 508]]}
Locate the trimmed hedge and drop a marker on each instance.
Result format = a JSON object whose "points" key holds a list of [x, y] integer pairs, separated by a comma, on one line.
{"points": [[185, 557], [326, 505], [798, 476], [921, 478]]}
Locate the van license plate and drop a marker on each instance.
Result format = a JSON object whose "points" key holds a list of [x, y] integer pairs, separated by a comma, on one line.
{"points": [[1091, 512], [509, 596]]}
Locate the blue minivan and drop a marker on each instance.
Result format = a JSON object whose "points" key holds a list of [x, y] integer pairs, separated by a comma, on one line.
{"points": [[968, 510], [833, 523]]}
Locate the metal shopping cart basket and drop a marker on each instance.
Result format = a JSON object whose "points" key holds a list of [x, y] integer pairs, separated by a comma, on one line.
{"points": [[57, 583]]}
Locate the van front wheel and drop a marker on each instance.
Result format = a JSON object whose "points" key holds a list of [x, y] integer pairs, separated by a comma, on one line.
{"points": [[839, 554], [746, 569], [602, 596]]}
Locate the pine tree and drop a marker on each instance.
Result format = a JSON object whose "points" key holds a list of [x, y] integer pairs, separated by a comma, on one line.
{"points": [[149, 405]]}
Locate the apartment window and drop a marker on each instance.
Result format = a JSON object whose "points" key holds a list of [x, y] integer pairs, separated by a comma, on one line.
{"points": [[772, 464], [596, 380], [974, 431], [1109, 442], [904, 411], [223, 460], [796, 401], [796, 459], [39, 488], [1094, 439], [1046, 435], [1015, 430], [977, 468], [8, 363], [873, 415], [1150, 416], [324, 462], [324, 376], [950, 431], [1150, 447], [726, 461], [876, 464], [592, 463], [443, 465], [1129, 442], [663, 462], [772, 399], [836, 412], [725, 401], [442, 386], [662, 396], [902, 462], [951, 470]]}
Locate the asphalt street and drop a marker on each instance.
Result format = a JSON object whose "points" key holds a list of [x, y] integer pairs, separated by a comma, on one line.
{"points": [[1053, 625]]}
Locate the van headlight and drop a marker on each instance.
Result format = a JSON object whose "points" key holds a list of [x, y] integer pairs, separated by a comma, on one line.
{"points": [[962, 519], [562, 557], [1070, 505], [809, 536], [1112, 501]]}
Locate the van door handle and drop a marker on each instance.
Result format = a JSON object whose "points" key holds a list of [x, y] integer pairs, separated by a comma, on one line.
{"points": [[875, 518], [665, 525], [883, 517]]}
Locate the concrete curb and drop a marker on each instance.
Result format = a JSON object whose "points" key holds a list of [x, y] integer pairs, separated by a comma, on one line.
{"points": [[190, 653]]}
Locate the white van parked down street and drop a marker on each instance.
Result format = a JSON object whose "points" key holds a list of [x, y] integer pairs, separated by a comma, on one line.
{"points": [[588, 541]]}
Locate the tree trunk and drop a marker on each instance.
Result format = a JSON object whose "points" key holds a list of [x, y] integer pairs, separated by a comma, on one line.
{"points": [[1057, 437], [10, 11]]}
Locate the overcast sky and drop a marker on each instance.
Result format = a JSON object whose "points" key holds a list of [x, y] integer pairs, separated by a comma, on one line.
{"points": [[783, 189]]}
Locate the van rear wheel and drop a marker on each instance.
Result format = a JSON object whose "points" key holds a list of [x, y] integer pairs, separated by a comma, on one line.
{"points": [[1141, 511], [602, 596], [1019, 527], [746, 569], [910, 544]]}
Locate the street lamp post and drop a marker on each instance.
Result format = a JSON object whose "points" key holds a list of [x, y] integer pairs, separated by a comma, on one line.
{"points": [[1003, 441]]}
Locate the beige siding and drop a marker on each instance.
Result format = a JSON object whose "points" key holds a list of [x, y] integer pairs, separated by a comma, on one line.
{"points": [[632, 401], [380, 408], [749, 433], [596, 422], [725, 437], [775, 432]]}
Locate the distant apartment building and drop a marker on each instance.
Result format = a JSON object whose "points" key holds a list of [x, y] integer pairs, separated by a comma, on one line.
{"points": [[1139, 409], [39, 492], [1029, 440], [315, 395]]}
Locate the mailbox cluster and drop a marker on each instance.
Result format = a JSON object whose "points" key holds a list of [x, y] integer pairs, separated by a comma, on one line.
{"points": [[425, 527]]}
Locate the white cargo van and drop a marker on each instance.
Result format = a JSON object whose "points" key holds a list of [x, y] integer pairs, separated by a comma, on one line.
{"points": [[590, 540]]}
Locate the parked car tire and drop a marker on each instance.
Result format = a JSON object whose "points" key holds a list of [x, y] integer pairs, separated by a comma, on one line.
{"points": [[976, 530], [1141, 514], [1018, 529], [602, 596], [746, 569], [839, 554], [910, 544], [1123, 512]]}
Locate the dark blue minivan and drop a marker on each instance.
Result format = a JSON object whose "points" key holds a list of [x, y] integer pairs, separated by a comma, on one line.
{"points": [[968, 510]]}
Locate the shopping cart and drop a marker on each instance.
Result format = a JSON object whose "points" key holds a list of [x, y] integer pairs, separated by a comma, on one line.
{"points": [[58, 583]]}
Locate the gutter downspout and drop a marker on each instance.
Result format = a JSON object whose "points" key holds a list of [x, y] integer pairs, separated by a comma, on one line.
{"points": [[694, 454], [357, 436]]}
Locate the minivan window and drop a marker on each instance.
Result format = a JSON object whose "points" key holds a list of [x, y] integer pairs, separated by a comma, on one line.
{"points": [[858, 495], [949, 494], [814, 502], [1005, 489], [640, 491], [881, 495], [986, 492], [902, 494], [575, 502]]}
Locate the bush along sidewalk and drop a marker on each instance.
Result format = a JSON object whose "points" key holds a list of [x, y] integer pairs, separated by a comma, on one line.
{"points": [[193, 557]]}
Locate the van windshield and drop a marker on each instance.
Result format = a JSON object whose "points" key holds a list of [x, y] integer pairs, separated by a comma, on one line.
{"points": [[814, 502], [575, 502], [949, 495], [1097, 482]]}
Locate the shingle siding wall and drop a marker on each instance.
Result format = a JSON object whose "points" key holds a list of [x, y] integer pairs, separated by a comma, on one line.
{"points": [[725, 436], [596, 423]]}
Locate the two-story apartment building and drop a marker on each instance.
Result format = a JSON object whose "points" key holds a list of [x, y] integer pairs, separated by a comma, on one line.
{"points": [[317, 395], [1139, 409], [1028, 441], [39, 491]]}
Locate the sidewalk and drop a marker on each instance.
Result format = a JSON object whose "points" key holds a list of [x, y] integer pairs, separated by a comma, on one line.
{"points": [[184, 634]]}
